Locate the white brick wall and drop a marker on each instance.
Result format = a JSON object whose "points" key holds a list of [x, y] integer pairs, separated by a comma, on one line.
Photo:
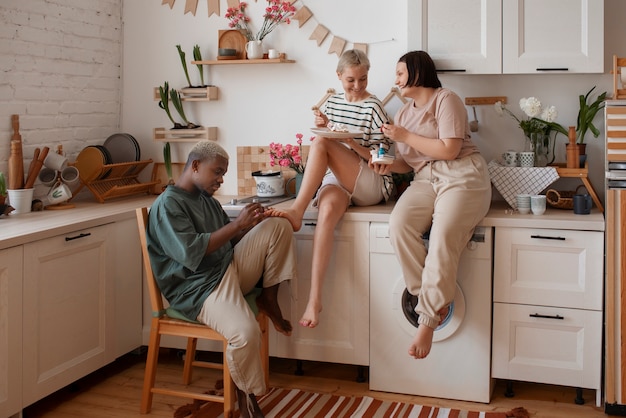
{"points": [[60, 66]]}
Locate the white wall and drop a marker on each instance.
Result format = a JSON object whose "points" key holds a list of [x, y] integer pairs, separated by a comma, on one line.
{"points": [[60, 66]]}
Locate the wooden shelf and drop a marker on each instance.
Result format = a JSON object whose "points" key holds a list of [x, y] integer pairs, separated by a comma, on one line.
{"points": [[582, 174], [185, 135], [245, 61], [193, 94]]}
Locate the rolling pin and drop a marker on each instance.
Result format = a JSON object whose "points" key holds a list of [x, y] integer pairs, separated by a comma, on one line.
{"points": [[16, 163], [35, 167]]}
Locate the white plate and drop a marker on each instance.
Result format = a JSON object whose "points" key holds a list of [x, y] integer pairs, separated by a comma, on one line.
{"points": [[334, 134]]}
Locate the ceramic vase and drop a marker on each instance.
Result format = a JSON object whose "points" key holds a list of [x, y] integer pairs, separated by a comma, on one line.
{"points": [[254, 50]]}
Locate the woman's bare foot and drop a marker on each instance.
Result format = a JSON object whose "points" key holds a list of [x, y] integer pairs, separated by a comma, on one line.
{"points": [[289, 214], [423, 341], [310, 318], [267, 302]]}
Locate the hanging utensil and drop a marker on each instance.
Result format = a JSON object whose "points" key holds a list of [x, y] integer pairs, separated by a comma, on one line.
{"points": [[474, 124]]}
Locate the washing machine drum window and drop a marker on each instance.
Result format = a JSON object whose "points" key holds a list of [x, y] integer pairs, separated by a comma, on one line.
{"points": [[405, 303]]}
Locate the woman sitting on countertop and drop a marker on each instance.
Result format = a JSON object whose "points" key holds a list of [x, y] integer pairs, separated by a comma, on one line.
{"points": [[450, 193], [340, 166]]}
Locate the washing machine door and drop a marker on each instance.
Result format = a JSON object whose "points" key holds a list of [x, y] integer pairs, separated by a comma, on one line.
{"points": [[404, 311]]}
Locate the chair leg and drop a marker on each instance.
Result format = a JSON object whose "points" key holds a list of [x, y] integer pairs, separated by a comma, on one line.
{"points": [[190, 356], [151, 365], [265, 347], [229, 386]]}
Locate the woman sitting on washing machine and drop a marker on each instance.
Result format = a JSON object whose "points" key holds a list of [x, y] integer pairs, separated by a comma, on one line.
{"points": [[450, 194]]}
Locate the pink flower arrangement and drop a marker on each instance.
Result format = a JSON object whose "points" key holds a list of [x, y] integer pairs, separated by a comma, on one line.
{"points": [[288, 155], [276, 13]]}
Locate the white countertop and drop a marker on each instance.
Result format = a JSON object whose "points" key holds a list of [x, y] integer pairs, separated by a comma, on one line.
{"points": [[23, 228]]}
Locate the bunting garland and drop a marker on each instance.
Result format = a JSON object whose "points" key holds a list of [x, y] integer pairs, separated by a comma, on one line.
{"points": [[302, 15]]}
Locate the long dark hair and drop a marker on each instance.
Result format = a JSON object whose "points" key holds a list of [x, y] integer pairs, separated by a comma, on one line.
{"points": [[421, 69]]}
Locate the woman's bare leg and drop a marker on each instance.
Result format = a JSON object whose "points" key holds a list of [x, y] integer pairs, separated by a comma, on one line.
{"points": [[324, 153], [333, 203]]}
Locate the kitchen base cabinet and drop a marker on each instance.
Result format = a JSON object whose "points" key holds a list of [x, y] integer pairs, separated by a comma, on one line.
{"points": [[548, 291], [342, 336], [68, 300], [10, 331]]}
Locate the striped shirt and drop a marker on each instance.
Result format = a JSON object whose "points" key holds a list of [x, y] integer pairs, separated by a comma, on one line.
{"points": [[367, 115]]}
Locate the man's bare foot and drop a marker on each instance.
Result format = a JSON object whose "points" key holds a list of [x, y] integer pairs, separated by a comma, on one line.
{"points": [[310, 318], [267, 302], [423, 341], [289, 214], [248, 405]]}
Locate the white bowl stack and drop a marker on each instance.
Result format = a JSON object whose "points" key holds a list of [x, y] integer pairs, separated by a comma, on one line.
{"points": [[523, 203]]}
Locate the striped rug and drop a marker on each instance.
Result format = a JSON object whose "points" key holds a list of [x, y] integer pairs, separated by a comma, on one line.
{"points": [[293, 403]]}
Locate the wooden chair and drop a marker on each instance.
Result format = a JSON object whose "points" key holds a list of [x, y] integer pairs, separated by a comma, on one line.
{"points": [[168, 322]]}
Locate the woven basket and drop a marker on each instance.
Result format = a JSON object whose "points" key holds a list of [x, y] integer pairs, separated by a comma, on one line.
{"points": [[562, 199]]}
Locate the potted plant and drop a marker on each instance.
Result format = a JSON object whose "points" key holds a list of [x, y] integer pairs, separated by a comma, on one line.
{"points": [[584, 121], [197, 56], [167, 161], [181, 54], [166, 95]]}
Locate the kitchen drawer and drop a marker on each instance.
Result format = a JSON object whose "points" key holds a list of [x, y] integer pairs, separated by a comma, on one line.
{"points": [[562, 348], [549, 267]]}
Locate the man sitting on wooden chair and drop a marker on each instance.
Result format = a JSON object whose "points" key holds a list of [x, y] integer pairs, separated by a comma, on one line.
{"points": [[204, 264]]}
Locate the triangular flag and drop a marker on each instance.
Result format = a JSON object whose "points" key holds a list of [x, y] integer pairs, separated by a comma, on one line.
{"points": [[302, 15], [336, 46], [214, 7], [169, 2], [361, 47], [232, 3], [191, 6], [319, 34]]}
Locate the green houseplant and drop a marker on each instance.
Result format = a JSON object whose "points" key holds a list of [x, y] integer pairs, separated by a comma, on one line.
{"points": [[586, 114], [3, 188]]}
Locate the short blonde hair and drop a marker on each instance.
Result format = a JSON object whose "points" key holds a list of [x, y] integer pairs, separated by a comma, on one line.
{"points": [[353, 58], [206, 151]]}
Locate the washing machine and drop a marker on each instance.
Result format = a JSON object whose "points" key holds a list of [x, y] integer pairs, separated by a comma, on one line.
{"points": [[459, 363]]}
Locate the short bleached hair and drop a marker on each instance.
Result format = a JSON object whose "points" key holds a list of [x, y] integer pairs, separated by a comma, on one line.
{"points": [[206, 151]]}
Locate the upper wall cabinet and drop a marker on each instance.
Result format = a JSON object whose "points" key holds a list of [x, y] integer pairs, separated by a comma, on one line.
{"points": [[509, 36], [460, 36], [553, 36]]}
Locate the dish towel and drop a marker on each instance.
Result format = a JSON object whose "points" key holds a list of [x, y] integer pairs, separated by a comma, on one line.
{"points": [[511, 181]]}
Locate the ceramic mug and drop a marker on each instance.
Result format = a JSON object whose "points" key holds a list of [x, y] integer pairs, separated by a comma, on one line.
{"points": [[59, 194], [269, 184], [527, 159], [538, 204], [511, 159], [70, 175], [582, 204], [55, 161], [272, 54], [47, 176]]}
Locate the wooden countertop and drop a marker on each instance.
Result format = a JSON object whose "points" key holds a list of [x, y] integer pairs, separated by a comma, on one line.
{"points": [[27, 227]]}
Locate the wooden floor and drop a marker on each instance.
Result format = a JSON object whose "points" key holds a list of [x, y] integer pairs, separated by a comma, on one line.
{"points": [[115, 391]]}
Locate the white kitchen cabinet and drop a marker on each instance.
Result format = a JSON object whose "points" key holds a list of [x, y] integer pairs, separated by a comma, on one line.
{"points": [[461, 37], [68, 309], [553, 36], [342, 336], [509, 36], [126, 262], [548, 291], [10, 331]]}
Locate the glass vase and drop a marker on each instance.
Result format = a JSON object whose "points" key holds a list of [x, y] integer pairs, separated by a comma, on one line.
{"points": [[539, 143]]}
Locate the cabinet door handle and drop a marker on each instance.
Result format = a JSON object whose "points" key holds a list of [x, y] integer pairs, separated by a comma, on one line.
{"points": [[536, 315], [81, 235], [552, 69], [546, 237], [310, 224], [451, 70]]}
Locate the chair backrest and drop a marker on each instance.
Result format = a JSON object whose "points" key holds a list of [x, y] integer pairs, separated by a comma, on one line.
{"points": [[156, 300]]}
